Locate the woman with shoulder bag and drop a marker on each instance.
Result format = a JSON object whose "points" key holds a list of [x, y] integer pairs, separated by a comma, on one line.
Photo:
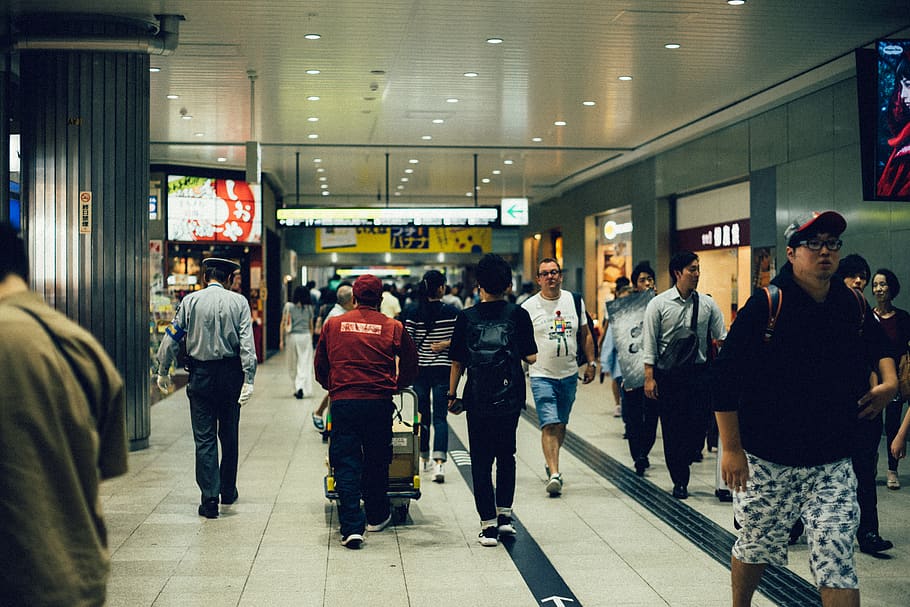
{"points": [[896, 324]]}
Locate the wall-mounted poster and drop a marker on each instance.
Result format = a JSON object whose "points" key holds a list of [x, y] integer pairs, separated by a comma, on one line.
{"points": [[201, 209]]}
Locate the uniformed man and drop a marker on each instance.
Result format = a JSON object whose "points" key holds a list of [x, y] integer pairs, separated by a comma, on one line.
{"points": [[216, 325]]}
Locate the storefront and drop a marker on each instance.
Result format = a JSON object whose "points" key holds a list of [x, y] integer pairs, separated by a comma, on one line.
{"points": [[614, 255]]}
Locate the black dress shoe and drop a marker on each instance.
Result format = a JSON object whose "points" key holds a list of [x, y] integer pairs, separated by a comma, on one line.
{"points": [[227, 500], [871, 542], [298, 394], [680, 492], [640, 467], [209, 508]]}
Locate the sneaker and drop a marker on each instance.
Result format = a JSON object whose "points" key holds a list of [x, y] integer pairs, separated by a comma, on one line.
{"points": [[380, 526], [439, 474], [352, 541], [554, 485], [489, 536], [872, 543], [505, 526], [318, 423], [617, 412], [894, 482]]}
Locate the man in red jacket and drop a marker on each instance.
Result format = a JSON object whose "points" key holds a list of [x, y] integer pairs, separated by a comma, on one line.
{"points": [[363, 357]]}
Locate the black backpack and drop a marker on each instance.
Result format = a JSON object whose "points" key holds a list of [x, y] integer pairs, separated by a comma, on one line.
{"points": [[581, 358], [495, 378]]}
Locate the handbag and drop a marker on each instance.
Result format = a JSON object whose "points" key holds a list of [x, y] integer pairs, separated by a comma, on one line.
{"points": [[682, 351], [903, 375]]}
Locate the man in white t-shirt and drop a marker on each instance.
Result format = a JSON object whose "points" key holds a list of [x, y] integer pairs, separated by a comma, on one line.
{"points": [[554, 377]]}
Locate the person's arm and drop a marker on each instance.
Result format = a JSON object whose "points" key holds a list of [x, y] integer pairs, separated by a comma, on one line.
{"points": [[407, 360], [285, 323], [898, 446], [733, 464], [589, 351], [877, 398], [455, 372], [649, 336]]}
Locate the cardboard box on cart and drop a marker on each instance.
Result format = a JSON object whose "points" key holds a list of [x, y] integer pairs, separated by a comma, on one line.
{"points": [[403, 447]]}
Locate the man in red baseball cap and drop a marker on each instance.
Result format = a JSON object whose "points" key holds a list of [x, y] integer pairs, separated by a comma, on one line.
{"points": [[363, 357]]}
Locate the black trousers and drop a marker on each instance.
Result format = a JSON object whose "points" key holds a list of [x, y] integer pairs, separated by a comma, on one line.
{"points": [[640, 415], [213, 389], [682, 405], [865, 466], [492, 439]]}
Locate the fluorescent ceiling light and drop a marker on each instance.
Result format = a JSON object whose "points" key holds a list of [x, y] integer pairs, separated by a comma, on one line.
{"points": [[313, 98], [494, 40], [470, 74], [589, 103], [312, 36]]}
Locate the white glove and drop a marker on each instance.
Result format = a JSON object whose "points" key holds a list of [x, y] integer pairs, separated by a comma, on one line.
{"points": [[245, 393], [164, 383]]}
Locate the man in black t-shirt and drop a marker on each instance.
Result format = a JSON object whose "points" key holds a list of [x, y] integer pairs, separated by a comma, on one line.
{"points": [[491, 433]]}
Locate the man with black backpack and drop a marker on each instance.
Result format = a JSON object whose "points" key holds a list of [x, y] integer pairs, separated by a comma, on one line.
{"points": [[490, 340], [788, 395]]}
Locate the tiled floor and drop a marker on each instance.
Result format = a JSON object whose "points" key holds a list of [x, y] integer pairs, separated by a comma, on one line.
{"points": [[279, 544]]}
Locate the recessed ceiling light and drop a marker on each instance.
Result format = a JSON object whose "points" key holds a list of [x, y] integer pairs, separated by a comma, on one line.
{"points": [[494, 40], [409, 171], [313, 98], [413, 161], [485, 180], [323, 178], [497, 172], [468, 194], [313, 72], [589, 103], [508, 161], [312, 36], [624, 78], [325, 192], [186, 117], [199, 134], [559, 123], [317, 160], [324, 186], [438, 121], [451, 100], [153, 69], [536, 139], [470, 74], [401, 187], [173, 96], [404, 180], [320, 170], [312, 119], [312, 136], [398, 193], [736, 2], [221, 159], [427, 137], [672, 45]]}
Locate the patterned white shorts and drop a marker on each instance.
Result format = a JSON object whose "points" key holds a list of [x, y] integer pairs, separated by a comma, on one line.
{"points": [[823, 496]]}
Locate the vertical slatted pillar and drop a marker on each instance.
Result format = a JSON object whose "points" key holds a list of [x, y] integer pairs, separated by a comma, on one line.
{"points": [[85, 128]]}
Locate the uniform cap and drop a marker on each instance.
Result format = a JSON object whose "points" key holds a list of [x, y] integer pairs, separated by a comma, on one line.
{"points": [[829, 222], [368, 289], [225, 265]]}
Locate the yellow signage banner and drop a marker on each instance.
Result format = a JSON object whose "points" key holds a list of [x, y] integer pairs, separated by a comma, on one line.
{"points": [[404, 239]]}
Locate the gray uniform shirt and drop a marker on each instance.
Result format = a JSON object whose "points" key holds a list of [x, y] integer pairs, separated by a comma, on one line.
{"points": [[217, 324]]}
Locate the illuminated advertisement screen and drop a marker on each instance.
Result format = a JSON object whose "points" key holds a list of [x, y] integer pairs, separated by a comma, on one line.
{"points": [[201, 209]]}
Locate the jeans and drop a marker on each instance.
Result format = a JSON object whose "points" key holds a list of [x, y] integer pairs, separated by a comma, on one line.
{"points": [[640, 416], [492, 439], [424, 388], [213, 389], [360, 453]]}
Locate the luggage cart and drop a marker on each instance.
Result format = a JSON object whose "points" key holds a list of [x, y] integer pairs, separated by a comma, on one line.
{"points": [[404, 469]]}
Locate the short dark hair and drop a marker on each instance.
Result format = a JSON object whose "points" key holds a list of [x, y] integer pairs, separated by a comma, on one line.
{"points": [[494, 274], [643, 267], [548, 260], [894, 285], [679, 262], [854, 265], [13, 260]]}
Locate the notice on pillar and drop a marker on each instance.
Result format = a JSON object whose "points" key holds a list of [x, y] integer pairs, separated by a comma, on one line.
{"points": [[85, 212]]}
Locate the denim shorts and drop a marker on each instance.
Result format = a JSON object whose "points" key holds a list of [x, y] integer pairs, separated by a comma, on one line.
{"points": [[823, 496], [553, 399]]}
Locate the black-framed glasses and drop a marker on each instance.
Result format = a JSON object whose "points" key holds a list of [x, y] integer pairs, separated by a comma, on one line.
{"points": [[545, 273], [816, 244]]}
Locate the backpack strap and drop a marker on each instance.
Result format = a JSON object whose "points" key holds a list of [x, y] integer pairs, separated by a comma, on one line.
{"points": [[775, 301]]}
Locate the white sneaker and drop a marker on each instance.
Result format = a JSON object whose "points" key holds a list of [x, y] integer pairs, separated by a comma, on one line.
{"points": [[489, 536], [554, 485], [439, 474], [505, 527], [380, 526], [894, 482], [353, 541]]}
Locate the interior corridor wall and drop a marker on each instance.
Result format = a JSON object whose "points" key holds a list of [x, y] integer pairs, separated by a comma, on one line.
{"points": [[800, 156]]}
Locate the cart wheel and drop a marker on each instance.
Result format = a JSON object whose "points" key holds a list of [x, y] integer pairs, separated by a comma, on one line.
{"points": [[400, 513]]}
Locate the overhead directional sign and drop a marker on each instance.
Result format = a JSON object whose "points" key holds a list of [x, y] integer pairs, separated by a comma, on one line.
{"points": [[514, 212]]}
